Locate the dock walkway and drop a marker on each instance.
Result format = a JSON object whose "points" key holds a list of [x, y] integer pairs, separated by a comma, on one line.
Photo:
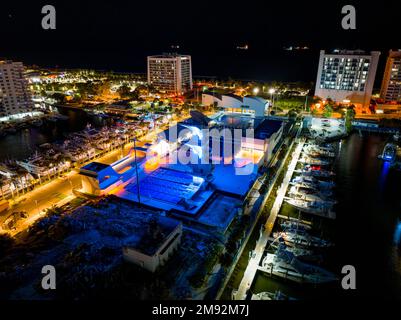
{"points": [[254, 261]]}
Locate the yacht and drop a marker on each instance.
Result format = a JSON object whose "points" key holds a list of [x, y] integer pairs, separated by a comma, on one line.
{"points": [[297, 238], [316, 171], [312, 180], [389, 152], [313, 161], [296, 250], [284, 264], [325, 147], [278, 295], [297, 193], [36, 165], [295, 224], [315, 151], [313, 207]]}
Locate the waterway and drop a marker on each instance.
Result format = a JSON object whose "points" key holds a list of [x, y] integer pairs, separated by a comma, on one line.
{"points": [[23, 143], [367, 231]]}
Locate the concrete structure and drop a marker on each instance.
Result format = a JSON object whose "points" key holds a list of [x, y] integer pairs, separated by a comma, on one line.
{"points": [[159, 187], [158, 241], [391, 84], [347, 76], [271, 132], [251, 105], [15, 97], [170, 73]]}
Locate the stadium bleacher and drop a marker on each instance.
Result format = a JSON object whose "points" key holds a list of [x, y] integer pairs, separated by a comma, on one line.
{"points": [[166, 185]]}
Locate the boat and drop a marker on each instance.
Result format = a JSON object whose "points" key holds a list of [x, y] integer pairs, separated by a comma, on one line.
{"points": [[278, 295], [322, 147], [318, 208], [315, 151], [313, 161], [316, 171], [309, 188], [36, 165], [285, 264], [297, 238], [307, 185], [312, 180], [303, 253], [294, 224], [389, 152], [298, 193]]}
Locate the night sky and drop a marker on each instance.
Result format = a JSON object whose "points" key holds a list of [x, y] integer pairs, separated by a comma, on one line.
{"points": [[119, 35]]}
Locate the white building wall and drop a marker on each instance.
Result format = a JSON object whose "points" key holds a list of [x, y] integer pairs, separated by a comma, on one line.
{"points": [[153, 262], [356, 96], [230, 102], [208, 99], [165, 73], [15, 96], [256, 104]]}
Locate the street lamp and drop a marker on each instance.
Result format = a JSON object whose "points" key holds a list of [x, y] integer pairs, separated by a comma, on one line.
{"points": [[36, 203], [72, 187], [137, 175], [271, 91], [255, 91]]}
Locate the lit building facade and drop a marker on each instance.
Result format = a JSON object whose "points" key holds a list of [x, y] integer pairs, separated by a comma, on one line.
{"points": [[347, 76], [15, 97], [391, 84], [170, 73], [249, 105]]}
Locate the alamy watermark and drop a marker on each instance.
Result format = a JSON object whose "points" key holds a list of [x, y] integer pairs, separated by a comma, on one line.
{"points": [[49, 20], [349, 20], [209, 146], [49, 280]]}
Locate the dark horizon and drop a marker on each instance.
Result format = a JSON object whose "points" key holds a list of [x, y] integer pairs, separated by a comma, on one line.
{"points": [[120, 35]]}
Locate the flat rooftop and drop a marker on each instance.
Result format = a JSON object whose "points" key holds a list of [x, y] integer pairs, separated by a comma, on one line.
{"points": [[152, 234], [95, 167], [267, 127]]}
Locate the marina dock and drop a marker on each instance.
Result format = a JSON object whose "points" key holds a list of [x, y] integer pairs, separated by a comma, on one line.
{"points": [[259, 250]]}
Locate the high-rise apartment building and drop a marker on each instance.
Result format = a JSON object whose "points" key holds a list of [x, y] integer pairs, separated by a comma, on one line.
{"points": [[347, 76], [15, 97], [391, 84], [170, 73]]}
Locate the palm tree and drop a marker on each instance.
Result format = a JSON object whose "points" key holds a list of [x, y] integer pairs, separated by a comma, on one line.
{"points": [[1, 189], [21, 172]]}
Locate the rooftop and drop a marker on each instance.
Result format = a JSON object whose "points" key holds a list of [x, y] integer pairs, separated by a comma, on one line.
{"points": [[234, 96], [152, 234], [267, 127], [95, 167], [169, 55]]}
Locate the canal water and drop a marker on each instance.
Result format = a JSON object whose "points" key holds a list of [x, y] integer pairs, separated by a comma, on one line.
{"points": [[23, 143], [367, 231]]}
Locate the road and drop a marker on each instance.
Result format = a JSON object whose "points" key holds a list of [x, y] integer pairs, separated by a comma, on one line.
{"points": [[54, 193], [254, 261]]}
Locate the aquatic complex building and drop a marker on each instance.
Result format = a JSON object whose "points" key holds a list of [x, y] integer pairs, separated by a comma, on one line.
{"points": [[178, 173]]}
